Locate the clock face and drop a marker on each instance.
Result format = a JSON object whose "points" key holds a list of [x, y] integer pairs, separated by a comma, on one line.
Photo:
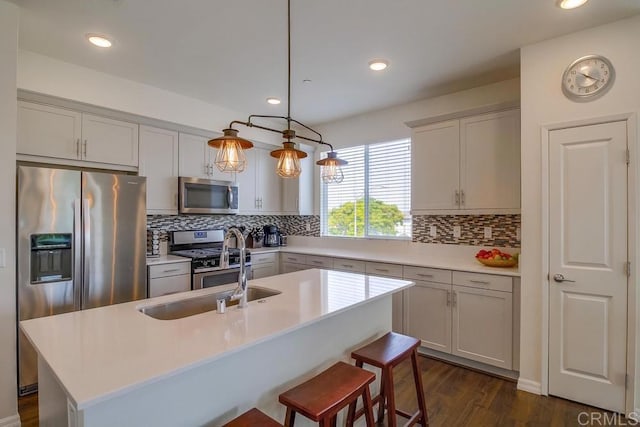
{"points": [[587, 78]]}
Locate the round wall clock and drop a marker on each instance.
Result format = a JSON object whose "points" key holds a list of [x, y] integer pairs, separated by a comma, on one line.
{"points": [[588, 78]]}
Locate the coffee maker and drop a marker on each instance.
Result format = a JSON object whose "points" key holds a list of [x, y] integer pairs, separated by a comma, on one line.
{"points": [[272, 236]]}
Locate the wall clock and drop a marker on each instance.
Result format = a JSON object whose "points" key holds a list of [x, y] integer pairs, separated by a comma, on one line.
{"points": [[588, 78]]}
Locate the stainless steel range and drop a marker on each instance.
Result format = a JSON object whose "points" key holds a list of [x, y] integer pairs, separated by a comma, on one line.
{"points": [[204, 247]]}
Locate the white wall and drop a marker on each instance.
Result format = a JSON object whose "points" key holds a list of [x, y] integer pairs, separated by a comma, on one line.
{"points": [[389, 124], [43, 74], [8, 55], [543, 103]]}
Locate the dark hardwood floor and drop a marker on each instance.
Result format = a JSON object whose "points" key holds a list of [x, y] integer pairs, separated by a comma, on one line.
{"points": [[455, 397]]}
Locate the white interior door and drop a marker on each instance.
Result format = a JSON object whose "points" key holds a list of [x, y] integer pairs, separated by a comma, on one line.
{"points": [[588, 247]]}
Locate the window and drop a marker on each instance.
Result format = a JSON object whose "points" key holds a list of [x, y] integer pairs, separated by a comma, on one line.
{"points": [[375, 197]]}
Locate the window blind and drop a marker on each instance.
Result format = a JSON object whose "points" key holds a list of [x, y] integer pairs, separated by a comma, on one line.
{"points": [[374, 199]]}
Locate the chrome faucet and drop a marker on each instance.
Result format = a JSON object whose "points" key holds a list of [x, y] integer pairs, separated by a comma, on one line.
{"points": [[240, 293]]}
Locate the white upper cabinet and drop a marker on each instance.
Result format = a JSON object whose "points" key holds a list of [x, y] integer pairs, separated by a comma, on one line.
{"points": [[297, 193], [435, 166], [268, 183], [248, 200], [472, 164], [490, 160], [159, 163], [197, 159], [47, 131], [109, 141]]}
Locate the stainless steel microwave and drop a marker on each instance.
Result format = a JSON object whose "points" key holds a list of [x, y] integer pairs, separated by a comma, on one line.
{"points": [[205, 196]]}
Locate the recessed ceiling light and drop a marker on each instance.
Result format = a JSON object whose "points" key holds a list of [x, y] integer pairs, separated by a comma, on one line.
{"points": [[99, 40], [273, 101], [378, 64], [570, 4]]}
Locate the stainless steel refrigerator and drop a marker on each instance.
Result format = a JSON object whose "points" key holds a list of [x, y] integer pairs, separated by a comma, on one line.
{"points": [[81, 243]]}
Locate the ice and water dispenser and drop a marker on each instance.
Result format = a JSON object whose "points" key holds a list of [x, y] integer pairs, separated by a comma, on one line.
{"points": [[51, 257]]}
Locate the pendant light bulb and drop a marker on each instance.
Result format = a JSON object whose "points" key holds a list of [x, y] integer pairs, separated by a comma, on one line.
{"points": [[288, 165], [230, 157], [288, 160], [331, 168]]}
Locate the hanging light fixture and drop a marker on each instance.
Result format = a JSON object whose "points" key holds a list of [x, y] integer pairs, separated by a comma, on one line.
{"points": [[230, 156]]}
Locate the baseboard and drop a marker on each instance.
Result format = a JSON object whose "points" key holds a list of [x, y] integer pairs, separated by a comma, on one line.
{"points": [[12, 421], [470, 364], [529, 386]]}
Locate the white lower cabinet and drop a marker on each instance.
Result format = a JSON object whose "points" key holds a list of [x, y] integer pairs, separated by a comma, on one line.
{"points": [[473, 321], [289, 267], [167, 279], [264, 265], [482, 326], [428, 314]]}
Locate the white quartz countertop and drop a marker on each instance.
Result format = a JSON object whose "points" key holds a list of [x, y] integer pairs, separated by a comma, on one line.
{"points": [[459, 263], [166, 259], [101, 353]]}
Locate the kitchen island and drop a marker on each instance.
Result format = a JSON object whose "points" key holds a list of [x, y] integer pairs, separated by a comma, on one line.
{"points": [[117, 366]]}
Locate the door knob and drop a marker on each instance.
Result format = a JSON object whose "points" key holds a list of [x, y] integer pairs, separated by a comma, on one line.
{"points": [[560, 278]]}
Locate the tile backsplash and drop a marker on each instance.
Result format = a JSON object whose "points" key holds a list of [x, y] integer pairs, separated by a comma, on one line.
{"points": [[505, 229], [292, 225]]}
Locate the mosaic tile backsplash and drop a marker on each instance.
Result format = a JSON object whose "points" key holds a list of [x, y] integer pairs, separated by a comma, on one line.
{"points": [[291, 225], [505, 229]]}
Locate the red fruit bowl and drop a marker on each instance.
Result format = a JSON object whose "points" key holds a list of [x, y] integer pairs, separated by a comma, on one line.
{"points": [[499, 262]]}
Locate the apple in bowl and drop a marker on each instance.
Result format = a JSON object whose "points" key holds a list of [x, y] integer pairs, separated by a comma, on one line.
{"points": [[496, 258]]}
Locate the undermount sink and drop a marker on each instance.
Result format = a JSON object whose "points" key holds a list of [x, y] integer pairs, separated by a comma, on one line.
{"points": [[196, 305]]}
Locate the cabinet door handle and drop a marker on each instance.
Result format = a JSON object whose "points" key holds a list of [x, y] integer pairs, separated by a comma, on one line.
{"points": [[78, 148], [448, 298], [455, 298], [462, 197], [347, 265], [382, 270], [457, 198], [424, 275], [85, 148], [171, 270], [316, 262], [480, 282]]}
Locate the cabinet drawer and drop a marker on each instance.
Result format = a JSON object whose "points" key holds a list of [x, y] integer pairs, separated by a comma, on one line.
{"points": [[483, 281], [169, 285], [427, 274], [383, 269], [319, 261], [295, 258], [348, 265], [174, 269], [263, 258], [264, 270]]}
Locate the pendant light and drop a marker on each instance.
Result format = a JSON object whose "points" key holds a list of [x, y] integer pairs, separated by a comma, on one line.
{"points": [[230, 156]]}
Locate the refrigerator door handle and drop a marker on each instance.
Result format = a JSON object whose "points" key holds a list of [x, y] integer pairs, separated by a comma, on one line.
{"points": [[87, 249], [77, 254]]}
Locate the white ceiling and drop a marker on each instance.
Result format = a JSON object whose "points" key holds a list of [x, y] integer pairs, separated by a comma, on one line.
{"points": [[233, 52]]}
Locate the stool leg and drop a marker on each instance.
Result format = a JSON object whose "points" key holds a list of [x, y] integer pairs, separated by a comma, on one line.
{"points": [[368, 407], [290, 417], [381, 400], [424, 419], [391, 399], [351, 415]]}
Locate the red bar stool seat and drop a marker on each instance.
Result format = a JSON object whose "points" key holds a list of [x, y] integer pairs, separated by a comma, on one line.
{"points": [[323, 396], [253, 418]]}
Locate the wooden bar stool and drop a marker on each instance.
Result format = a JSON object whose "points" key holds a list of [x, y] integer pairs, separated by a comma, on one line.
{"points": [[323, 396], [386, 353], [253, 418]]}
